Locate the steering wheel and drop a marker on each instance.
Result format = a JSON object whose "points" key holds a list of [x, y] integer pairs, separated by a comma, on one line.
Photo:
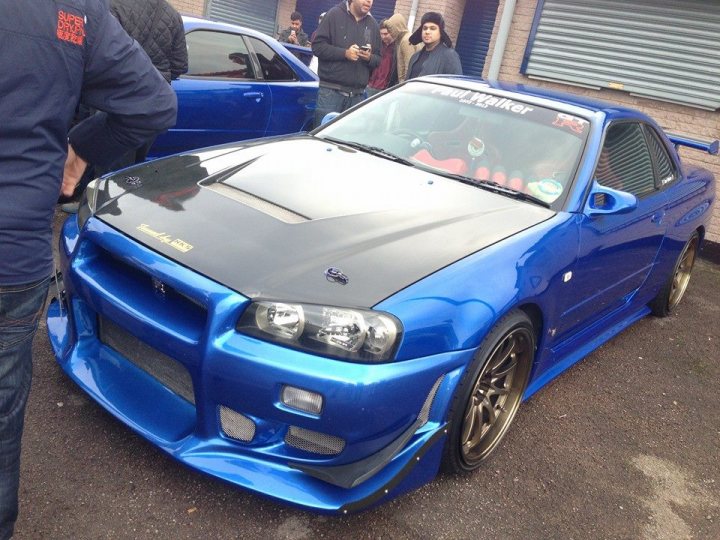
{"points": [[416, 143]]}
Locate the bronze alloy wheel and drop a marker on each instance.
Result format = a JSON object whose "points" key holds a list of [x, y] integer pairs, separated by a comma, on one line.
{"points": [[681, 277], [669, 296], [496, 396], [489, 396]]}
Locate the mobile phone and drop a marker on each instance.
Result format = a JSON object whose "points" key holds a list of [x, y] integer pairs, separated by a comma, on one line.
{"points": [[365, 48]]}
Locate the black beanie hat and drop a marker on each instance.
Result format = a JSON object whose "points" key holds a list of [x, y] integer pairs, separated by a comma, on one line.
{"points": [[431, 17]]}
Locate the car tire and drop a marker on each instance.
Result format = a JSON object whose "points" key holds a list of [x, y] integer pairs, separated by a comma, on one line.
{"points": [[669, 297], [490, 393]]}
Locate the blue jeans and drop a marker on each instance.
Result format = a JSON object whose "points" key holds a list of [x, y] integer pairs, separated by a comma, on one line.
{"points": [[20, 310], [330, 100]]}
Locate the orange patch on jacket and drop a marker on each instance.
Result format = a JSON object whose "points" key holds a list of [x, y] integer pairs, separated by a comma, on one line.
{"points": [[71, 28]]}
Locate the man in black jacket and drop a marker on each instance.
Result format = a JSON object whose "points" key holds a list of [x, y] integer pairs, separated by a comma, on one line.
{"points": [[347, 45], [158, 28], [54, 54]]}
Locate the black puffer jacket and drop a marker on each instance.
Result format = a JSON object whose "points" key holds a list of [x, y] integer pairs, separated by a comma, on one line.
{"points": [[158, 28]]}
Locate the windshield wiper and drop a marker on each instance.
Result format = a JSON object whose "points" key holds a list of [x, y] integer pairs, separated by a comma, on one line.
{"points": [[495, 188], [374, 150]]}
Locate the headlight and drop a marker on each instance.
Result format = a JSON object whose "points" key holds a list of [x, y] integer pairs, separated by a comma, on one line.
{"points": [[88, 203], [352, 334]]}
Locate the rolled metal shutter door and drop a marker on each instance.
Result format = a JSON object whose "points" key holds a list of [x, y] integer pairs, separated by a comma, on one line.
{"points": [[475, 33], [251, 13], [660, 49]]}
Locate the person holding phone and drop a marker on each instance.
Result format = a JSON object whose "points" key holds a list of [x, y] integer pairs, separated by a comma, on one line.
{"points": [[347, 45], [295, 34]]}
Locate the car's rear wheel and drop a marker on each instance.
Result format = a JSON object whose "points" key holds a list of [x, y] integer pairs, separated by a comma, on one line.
{"points": [[674, 289], [489, 395]]}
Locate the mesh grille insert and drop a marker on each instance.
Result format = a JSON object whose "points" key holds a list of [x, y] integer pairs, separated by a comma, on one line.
{"points": [[236, 425], [312, 441], [425, 411], [169, 372]]}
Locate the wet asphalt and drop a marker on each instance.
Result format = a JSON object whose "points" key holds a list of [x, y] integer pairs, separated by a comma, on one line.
{"points": [[626, 444]]}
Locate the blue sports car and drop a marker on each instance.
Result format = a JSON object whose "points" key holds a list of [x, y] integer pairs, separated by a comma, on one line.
{"points": [[240, 84], [328, 319]]}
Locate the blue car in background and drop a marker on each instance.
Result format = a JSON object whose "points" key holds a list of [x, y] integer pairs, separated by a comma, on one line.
{"points": [[328, 318], [241, 84]]}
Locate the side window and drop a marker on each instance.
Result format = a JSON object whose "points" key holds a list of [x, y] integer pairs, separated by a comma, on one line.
{"points": [[218, 54], [665, 168], [273, 67], [625, 162]]}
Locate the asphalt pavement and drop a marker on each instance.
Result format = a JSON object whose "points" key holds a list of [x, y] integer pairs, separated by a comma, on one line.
{"points": [[624, 445]]}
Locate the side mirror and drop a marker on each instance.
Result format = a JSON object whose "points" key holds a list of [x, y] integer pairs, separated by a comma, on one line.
{"points": [[604, 200], [329, 117]]}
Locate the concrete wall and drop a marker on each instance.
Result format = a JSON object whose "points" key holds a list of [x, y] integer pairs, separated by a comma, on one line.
{"points": [[675, 118]]}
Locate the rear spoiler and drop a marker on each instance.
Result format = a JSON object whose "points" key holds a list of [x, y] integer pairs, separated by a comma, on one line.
{"points": [[711, 147]]}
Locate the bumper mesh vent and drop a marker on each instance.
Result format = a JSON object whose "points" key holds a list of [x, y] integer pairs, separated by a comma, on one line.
{"points": [[236, 425], [425, 411], [169, 372], [312, 441]]}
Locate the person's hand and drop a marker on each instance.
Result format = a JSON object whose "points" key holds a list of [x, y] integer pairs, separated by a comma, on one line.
{"points": [[292, 38], [365, 54], [74, 168], [352, 53]]}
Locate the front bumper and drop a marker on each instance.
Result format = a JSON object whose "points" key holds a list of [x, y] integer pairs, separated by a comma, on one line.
{"points": [[155, 344]]}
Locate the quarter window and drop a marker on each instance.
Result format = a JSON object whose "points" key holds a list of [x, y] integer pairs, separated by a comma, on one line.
{"points": [[218, 54], [665, 168], [273, 67], [625, 162]]}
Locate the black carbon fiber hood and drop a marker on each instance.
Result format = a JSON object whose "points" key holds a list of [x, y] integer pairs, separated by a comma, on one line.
{"points": [[268, 219]]}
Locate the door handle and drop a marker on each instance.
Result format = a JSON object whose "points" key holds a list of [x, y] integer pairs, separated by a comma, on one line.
{"points": [[657, 217], [257, 96]]}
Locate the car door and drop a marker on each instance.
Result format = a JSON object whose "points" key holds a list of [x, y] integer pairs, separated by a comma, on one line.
{"points": [[222, 98], [617, 251], [293, 100]]}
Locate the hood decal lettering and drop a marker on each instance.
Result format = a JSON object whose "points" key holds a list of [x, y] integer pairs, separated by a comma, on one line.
{"points": [[165, 238]]}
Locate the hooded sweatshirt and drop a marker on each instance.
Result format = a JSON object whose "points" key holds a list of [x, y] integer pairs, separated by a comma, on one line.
{"points": [[397, 26], [338, 31]]}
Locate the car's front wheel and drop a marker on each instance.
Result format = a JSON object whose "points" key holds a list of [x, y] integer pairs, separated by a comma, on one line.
{"points": [[489, 395], [674, 289]]}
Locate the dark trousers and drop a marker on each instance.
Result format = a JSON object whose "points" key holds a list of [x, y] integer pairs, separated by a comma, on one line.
{"points": [[20, 310], [331, 100]]}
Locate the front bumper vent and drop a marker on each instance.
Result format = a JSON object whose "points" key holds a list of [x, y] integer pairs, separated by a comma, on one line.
{"points": [[235, 425], [424, 415], [312, 441], [169, 372]]}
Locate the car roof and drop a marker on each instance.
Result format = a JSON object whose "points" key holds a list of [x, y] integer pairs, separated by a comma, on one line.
{"points": [[192, 23], [610, 111]]}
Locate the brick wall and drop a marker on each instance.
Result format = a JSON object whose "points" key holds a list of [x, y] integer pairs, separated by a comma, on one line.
{"points": [[672, 117], [189, 7], [451, 10], [285, 8]]}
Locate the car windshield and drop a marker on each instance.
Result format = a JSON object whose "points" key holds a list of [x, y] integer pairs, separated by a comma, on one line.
{"points": [[471, 135]]}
